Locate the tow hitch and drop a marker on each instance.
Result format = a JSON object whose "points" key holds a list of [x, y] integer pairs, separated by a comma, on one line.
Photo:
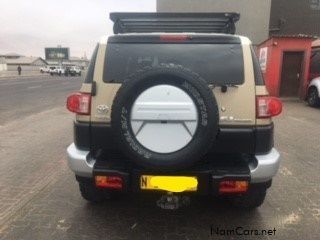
{"points": [[172, 202]]}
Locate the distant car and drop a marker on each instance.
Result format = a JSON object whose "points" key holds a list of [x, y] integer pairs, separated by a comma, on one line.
{"points": [[59, 70], [51, 69], [75, 71], [313, 96], [45, 69]]}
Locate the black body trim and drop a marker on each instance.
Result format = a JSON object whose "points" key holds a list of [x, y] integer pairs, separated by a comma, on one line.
{"points": [[209, 174], [191, 39], [248, 140]]}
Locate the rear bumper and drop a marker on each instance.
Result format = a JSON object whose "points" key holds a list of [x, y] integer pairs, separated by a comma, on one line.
{"points": [[265, 167], [262, 169], [80, 161]]}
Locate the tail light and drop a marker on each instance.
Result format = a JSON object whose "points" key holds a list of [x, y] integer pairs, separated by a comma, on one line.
{"points": [[79, 103], [174, 38], [114, 182], [268, 106], [233, 186]]}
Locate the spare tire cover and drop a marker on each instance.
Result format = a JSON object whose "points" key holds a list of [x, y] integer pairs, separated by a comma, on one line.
{"points": [[165, 117]]}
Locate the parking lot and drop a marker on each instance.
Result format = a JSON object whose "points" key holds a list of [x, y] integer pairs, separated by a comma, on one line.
{"points": [[39, 197]]}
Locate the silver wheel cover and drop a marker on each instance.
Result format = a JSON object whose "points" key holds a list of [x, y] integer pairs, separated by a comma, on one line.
{"points": [[164, 119]]}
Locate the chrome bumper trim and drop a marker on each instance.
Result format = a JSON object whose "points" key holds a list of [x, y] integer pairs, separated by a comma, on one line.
{"points": [[265, 167], [79, 161]]}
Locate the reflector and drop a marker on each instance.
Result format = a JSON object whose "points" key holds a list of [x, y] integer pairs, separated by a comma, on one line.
{"points": [[233, 186], [114, 182]]}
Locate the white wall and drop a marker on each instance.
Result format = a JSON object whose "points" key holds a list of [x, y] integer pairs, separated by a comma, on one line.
{"points": [[3, 66]]}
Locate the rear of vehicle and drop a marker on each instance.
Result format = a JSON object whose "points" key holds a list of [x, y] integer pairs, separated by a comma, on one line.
{"points": [[60, 70], [180, 114], [44, 69], [74, 71]]}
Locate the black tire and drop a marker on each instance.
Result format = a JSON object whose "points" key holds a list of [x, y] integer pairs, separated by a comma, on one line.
{"points": [[51, 74], [313, 97], [79, 74], [91, 193], [252, 199], [190, 82]]}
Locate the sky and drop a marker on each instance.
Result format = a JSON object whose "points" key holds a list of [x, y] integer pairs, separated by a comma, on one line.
{"points": [[28, 26]]}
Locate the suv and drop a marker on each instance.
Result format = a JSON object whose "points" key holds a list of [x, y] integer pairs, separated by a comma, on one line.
{"points": [[45, 69], [175, 113], [59, 70], [74, 70]]}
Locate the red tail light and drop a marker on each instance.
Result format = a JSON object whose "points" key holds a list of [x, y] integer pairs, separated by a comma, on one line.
{"points": [[233, 186], [113, 182], [173, 38], [268, 106], [79, 103]]}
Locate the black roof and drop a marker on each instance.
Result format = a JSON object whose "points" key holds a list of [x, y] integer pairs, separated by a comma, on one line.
{"points": [[174, 22]]}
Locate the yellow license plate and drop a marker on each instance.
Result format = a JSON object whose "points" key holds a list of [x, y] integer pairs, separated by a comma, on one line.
{"points": [[169, 183]]}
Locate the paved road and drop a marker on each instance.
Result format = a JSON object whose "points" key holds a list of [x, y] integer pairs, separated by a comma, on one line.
{"points": [[21, 97], [39, 197]]}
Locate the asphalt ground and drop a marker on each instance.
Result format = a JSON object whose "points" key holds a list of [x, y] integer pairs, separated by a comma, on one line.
{"points": [[39, 197]]}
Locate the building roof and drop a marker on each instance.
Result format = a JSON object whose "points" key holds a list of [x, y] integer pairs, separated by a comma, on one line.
{"points": [[292, 36], [12, 54], [297, 36], [78, 59], [24, 60], [2, 60]]}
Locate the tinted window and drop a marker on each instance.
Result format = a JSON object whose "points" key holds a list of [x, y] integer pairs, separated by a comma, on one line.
{"points": [[258, 76], [217, 63], [89, 76]]}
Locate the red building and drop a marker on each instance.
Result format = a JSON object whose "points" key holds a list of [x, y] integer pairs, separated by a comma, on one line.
{"points": [[285, 62]]}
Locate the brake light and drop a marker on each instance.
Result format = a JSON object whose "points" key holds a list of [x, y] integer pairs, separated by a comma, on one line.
{"points": [[233, 186], [79, 103], [268, 106], [173, 38], [114, 182]]}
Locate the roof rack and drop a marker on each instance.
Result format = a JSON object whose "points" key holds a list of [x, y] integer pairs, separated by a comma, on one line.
{"points": [[125, 22]]}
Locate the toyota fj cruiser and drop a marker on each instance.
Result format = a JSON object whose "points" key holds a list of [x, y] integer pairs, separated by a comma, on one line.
{"points": [[175, 104]]}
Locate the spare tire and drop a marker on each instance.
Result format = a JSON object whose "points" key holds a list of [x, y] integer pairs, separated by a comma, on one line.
{"points": [[165, 117]]}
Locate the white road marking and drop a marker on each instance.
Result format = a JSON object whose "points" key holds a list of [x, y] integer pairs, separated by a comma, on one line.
{"points": [[34, 87]]}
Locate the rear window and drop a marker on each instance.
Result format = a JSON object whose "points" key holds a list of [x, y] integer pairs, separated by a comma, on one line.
{"points": [[218, 64]]}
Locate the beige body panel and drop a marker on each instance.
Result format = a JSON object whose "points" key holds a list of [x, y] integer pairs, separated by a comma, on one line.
{"points": [[237, 107]]}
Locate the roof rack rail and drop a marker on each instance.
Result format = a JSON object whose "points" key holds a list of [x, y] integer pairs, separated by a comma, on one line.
{"points": [[125, 22]]}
